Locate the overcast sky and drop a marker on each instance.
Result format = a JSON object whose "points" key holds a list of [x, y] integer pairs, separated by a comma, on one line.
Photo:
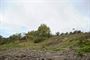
{"points": [[60, 15]]}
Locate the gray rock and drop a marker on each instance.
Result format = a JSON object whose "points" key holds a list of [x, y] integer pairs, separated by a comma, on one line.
{"points": [[28, 54]]}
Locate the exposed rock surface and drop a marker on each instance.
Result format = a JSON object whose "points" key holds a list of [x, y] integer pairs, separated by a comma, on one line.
{"points": [[27, 54]]}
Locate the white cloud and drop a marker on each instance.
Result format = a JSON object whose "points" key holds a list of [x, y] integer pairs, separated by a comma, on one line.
{"points": [[60, 15]]}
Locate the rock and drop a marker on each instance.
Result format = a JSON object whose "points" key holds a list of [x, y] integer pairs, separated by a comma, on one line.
{"points": [[27, 54]]}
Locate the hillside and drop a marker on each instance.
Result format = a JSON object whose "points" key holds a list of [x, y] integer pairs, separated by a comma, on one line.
{"points": [[64, 45], [79, 41], [70, 47], [41, 44]]}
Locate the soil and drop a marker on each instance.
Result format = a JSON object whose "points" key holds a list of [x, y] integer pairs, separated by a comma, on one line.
{"points": [[28, 54]]}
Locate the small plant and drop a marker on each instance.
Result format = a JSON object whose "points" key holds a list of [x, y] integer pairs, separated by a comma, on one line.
{"points": [[57, 33]]}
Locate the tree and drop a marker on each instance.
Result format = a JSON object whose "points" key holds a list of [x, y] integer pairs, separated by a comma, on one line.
{"points": [[71, 33], [57, 33], [62, 34], [44, 31], [14, 37], [66, 33], [32, 35], [1, 37], [77, 32], [1, 40], [39, 35]]}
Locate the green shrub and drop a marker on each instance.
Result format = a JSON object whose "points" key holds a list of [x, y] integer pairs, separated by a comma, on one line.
{"points": [[41, 34]]}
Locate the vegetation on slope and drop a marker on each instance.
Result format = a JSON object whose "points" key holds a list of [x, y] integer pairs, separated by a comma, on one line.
{"points": [[42, 39]]}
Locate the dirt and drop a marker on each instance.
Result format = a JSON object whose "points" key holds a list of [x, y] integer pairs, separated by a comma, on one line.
{"points": [[28, 54]]}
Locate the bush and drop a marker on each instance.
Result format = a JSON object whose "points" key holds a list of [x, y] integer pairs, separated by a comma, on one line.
{"points": [[41, 34], [44, 31], [84, 44], [39, 39], [57, 33]]}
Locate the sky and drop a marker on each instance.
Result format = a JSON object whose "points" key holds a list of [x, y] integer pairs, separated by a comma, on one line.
{"points": [[19, 16]]}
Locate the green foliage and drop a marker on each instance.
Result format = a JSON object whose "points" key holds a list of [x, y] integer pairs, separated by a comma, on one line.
{"points": [[2, 40], [14, 37], [76, 39], [77, 31], [1, 37], [84, 43], [32, 35], [57, 33], [43, 30], [41, 34], [85, 47]]}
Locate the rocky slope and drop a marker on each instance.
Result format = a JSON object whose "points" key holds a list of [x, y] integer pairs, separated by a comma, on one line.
{"points": [[28, 54], [63, 47]]}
